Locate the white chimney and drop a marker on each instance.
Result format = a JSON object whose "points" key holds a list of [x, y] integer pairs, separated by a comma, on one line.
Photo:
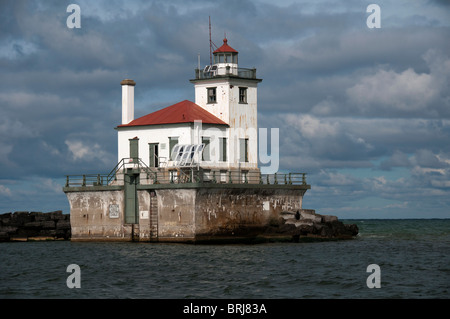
{"points": [[127, 100]]}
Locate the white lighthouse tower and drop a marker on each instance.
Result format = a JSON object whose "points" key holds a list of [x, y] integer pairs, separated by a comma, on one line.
{"points": [[230, 93]]}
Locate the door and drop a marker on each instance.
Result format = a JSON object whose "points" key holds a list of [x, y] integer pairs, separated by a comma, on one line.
{"points": [[154, 155], [131, 204]]}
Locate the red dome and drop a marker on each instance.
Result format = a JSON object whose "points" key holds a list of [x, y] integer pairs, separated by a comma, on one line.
{"points": [[225, 48]]}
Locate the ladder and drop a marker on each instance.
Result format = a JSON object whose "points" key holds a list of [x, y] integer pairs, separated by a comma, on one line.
{"points": [[153, 216]]}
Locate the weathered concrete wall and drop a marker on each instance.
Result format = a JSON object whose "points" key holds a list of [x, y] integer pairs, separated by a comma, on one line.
{"points": [[241, 211], [176, 214], [98, 215], [173, 213], [144, 215]]}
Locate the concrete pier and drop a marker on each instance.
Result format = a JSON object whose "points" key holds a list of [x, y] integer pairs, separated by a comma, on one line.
{"points": [[180, 212]]}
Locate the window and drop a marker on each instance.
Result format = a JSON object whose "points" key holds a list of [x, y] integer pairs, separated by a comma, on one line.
{"points": [[206, 152], [222, 149], [243, 150], [243, 95], [212, 95], [172, 142]]}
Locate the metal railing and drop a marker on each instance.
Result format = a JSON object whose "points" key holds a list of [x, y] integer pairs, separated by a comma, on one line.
{"points": [[86, 180], [107, 179], [184, 176], [194, 175], [241, 73], [134, 164]]}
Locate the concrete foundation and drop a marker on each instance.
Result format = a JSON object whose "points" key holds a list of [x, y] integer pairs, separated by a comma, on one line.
{"points": [[180, 212]]}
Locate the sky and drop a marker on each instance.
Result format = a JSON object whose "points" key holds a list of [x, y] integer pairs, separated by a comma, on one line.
{"points": [[365, 112]]}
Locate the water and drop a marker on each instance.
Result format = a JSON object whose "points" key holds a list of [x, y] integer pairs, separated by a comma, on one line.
{"points": [[413, 255]]}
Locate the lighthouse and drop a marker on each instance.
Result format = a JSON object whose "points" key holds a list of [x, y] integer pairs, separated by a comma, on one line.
{"points": [[223, 119], [188, 172], [230, 93]]}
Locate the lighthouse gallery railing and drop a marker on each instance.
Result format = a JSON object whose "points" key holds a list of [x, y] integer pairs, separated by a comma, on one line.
{"points": [[182, 176]]}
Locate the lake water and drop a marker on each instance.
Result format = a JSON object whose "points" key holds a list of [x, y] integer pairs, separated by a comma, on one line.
{"points": [[413, 257]]}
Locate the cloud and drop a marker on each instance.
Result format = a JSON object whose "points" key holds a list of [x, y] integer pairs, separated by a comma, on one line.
{"points": [[5, 191], [397, 159], [405, 92], [82, 151]]}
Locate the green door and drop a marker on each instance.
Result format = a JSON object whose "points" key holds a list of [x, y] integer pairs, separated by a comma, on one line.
{"points": [[131, 204]]}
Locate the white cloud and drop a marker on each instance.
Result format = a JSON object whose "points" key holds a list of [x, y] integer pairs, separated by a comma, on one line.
{"points": [[81, 151], [49, 184], [5, 191], [406, 91], [311, 126]]}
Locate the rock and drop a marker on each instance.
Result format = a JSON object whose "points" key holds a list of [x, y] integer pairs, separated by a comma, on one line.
{"points": [[299, 223], [287, 215], [32, 225], [310, 216], [329, 218], [48, 224], [63, 224], [306, 223], [57, 215], [25, 225]]}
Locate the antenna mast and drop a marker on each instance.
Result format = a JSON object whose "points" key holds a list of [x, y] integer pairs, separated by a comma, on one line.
{"points": [[211, 44]]}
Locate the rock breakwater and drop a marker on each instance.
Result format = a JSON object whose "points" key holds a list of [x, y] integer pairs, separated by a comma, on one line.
{"points": [[300, 226], [28, 226], [307, 225]]}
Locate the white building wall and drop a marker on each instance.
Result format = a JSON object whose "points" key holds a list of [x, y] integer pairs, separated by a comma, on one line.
{"points": [[219, 109], [242, 118], [187, 133]]}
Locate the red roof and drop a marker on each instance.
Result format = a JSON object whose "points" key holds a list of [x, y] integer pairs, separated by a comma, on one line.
{"points": [[181, 112], [225, 47]]}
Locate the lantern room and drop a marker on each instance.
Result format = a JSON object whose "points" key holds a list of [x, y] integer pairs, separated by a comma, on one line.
{"points": [[225, 60]]}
